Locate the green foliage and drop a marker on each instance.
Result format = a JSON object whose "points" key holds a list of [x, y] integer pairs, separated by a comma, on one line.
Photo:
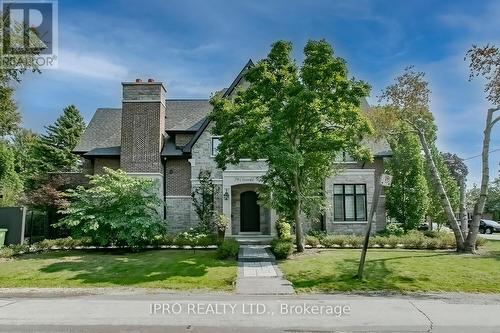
{"points": [[116, 209], [298, 119], [11, 186], [54, 153], [435, 209], [406, 198], [228, 249], [194, 237], [25, 144], [393, 228], [203, 201], [281, 248], [283, 229], [312, 241], [9, 115], [492, 205]]}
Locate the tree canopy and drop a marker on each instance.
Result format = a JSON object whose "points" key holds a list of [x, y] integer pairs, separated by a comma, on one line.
{"points": [[298, 119]]}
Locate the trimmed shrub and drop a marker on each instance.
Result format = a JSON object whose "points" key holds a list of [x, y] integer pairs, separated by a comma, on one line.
{"points": [[480, 241], [6, 252], [355, 241], [284, 229], [281, 249], [319, 234], [228, 249], [413, 240], [393, 241], [312, 241]]}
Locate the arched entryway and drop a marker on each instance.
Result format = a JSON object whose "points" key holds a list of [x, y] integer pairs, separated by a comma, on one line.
{"points": [[250, 212]]}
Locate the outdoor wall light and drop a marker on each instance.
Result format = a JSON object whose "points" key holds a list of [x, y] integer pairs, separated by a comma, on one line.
{"points": [[226, 195]]}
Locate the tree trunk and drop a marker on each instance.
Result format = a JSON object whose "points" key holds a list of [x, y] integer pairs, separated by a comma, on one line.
{"points": [[463, 210], [445, 202], [299, 235], [485, 179]]}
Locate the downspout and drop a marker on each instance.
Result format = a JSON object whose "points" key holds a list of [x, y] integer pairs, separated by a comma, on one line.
{"points": [[164, 188]]}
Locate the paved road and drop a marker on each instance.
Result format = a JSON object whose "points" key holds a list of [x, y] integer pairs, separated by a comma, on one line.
{"points": [[244, 313], [495, 236]]}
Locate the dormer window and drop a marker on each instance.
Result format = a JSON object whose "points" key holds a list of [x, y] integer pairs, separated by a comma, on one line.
{"points": [[215, 145]]}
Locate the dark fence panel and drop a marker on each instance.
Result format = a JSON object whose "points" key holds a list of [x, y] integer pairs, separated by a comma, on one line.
{"points": [[13, 219], [39, 225]]}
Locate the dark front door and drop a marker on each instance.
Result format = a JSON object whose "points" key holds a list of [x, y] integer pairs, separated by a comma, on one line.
{"points": [[250, 212]]}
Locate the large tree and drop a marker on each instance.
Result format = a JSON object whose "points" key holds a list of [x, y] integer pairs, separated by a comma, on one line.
{"points": [[408, 96], [10, 184], [298, 119], [56, 146], [485, 62], [407, 197]]}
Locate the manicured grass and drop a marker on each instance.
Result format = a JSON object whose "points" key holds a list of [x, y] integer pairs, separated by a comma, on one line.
{"points": [[395, 270], [169, 269]]}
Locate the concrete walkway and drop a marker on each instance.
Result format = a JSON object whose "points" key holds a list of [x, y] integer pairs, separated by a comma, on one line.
{"points": [[258, 273]]}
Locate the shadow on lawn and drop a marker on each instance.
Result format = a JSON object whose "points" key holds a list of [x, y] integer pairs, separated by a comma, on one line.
{"points": [[378, 276], [136, 268]]}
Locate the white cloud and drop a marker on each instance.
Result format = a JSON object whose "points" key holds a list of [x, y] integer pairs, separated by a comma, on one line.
{"points": [[90, 65]]}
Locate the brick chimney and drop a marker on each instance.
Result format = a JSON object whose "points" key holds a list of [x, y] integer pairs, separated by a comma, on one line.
{"points": [[143, 126]]}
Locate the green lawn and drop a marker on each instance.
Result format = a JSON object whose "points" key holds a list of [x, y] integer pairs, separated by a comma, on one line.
{"points": [[395, 270], [169, 269]]}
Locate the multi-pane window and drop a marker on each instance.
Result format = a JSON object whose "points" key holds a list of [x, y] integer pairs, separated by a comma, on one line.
{"points": [[349, 202], [215, 145]]}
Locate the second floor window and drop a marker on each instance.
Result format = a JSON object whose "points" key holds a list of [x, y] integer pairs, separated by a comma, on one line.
{"points": [[344, 157], [215, 145]]}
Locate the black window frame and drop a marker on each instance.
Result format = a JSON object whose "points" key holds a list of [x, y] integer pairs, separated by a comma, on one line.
{"points": [[354, 195]]}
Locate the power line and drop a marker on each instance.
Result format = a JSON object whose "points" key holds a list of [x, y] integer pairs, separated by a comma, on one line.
{"points": [[491, 151]]}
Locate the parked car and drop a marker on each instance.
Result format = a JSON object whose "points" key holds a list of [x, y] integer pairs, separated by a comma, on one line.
{"points": [[488, 227]]}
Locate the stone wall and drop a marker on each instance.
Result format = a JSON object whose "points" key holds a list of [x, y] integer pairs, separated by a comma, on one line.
{"points": [[179, 214], [182, 139]]}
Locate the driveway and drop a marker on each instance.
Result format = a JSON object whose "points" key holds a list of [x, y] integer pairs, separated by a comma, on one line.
{"points": [[148, 312]]}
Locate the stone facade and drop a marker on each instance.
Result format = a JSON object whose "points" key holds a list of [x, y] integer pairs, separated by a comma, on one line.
{"points": [[146, 150]]}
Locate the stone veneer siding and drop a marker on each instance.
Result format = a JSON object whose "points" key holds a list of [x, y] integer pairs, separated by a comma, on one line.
{"points": [[182, 139], [179, 214], [178, 177]]}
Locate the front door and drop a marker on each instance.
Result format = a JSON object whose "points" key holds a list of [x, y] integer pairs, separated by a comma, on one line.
{"points": [[250, 212]]}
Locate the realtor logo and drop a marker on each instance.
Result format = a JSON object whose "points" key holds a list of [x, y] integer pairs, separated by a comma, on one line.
{"points": [[29, 34]]}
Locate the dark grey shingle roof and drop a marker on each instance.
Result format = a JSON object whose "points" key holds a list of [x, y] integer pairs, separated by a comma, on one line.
{"points": [[186, 114], [108, 151], [104, 130]]}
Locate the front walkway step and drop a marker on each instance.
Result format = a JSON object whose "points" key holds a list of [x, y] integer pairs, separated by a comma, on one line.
{"points": [[258, 273], [254, 240], [255, 253]]}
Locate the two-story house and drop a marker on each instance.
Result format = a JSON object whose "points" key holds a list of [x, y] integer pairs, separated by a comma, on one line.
{"points": [[170, 140]]}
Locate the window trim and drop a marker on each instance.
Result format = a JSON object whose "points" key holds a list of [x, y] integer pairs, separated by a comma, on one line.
{"points": [[354, 195]]}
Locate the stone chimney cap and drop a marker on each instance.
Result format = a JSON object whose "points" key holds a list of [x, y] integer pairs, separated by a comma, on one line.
{"points": [[151, 80], [138, 80]]}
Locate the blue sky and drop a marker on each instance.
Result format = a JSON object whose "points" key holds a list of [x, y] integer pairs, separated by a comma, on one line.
{"points": [[197, 47]]}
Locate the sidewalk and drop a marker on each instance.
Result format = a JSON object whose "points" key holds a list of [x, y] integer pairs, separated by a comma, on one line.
{"points": [[258, 274], [246, 313]]}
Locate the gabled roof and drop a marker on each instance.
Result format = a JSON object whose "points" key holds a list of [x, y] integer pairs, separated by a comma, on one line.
{"points": [[104, 130], [229, 91]]}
